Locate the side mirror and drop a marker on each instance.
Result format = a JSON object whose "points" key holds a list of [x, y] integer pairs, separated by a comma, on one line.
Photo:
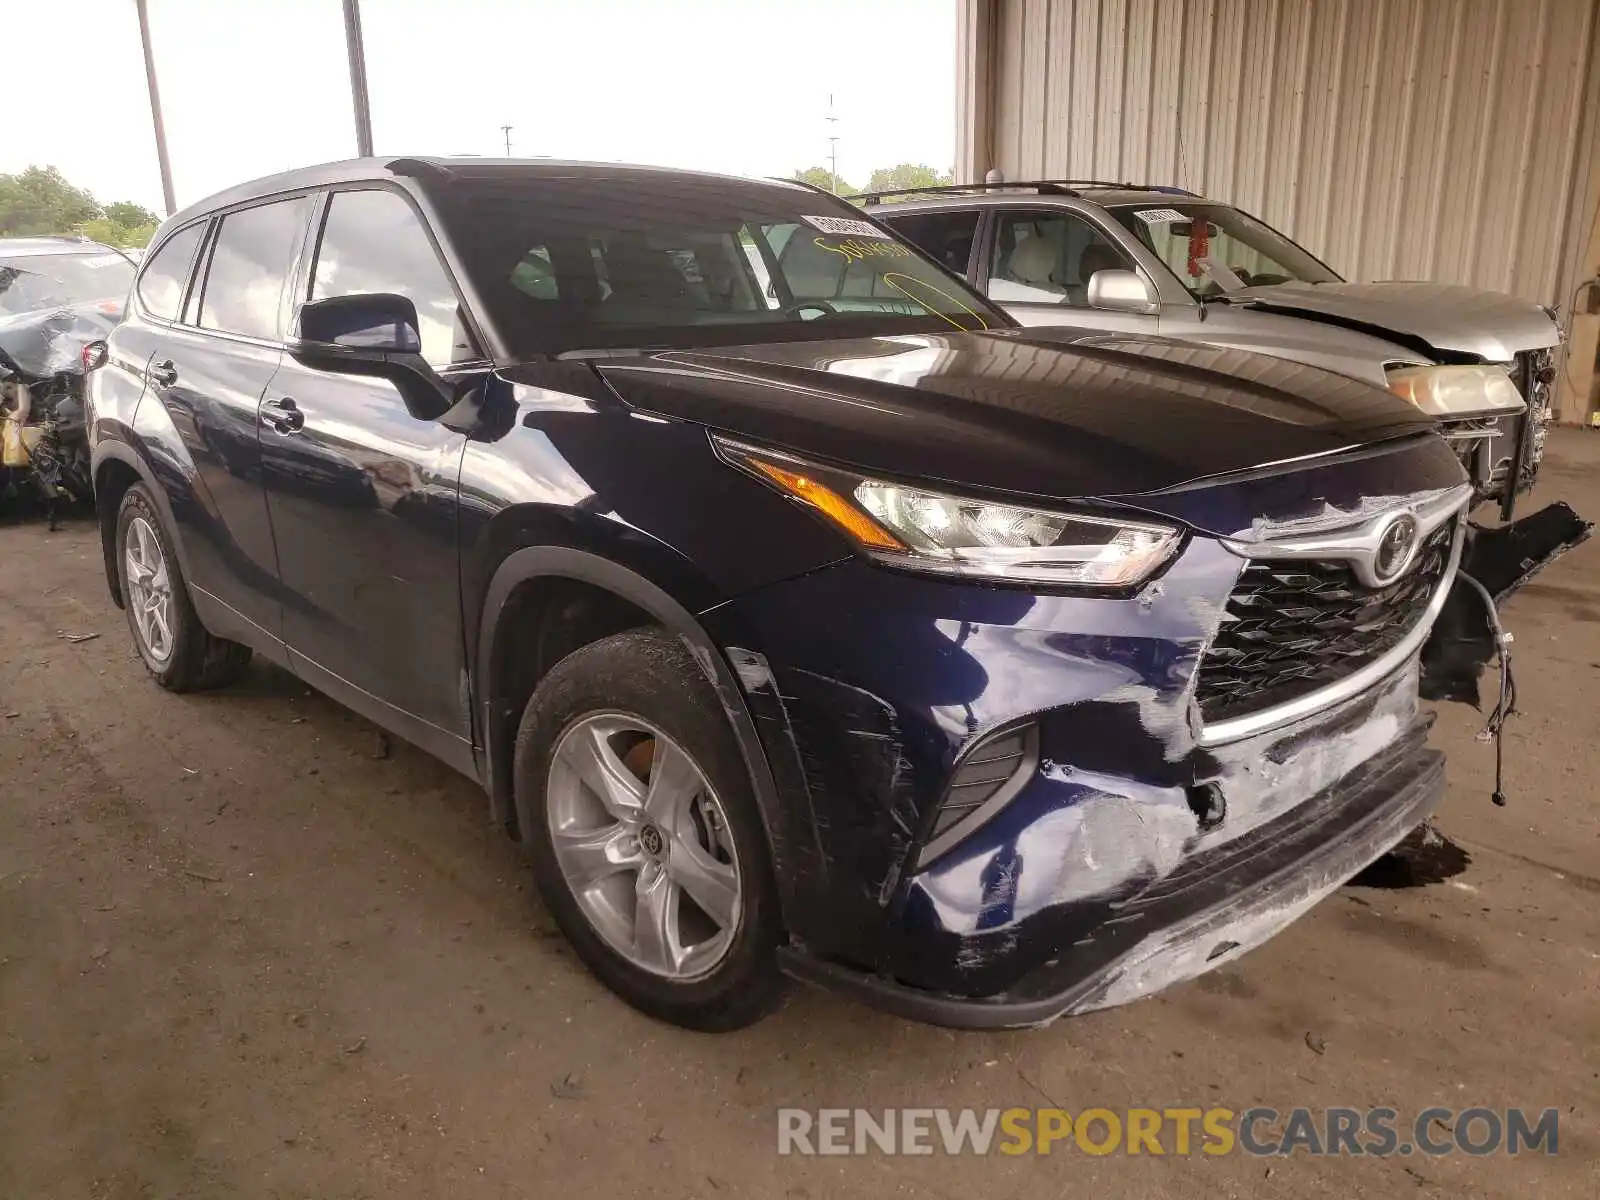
{"points": [[357, 329], [374, 334], [1122, 291]]}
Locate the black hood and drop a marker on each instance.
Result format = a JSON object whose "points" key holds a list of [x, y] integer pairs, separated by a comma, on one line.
{"points": [[1048, 413]]}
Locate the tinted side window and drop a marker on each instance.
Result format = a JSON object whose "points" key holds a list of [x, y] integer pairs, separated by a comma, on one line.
{"points": [[946, 237], [1048, 258], [161, 282], [253, 253], [374, 242]]}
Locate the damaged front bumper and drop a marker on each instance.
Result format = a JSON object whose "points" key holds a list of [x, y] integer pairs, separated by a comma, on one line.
{"points": [[1125, 852], [1124, 855], [1220, 904], [1113, 843]]}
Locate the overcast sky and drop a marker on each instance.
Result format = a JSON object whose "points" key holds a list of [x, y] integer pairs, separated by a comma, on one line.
{"points": [[255, 86]]}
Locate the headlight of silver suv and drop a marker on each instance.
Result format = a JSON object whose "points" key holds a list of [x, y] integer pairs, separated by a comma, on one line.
{"points": [[924, 530], [1458, 391]]}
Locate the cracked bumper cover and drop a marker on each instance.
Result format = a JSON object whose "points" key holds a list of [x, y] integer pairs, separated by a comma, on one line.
{"points": [[1214, 908]]}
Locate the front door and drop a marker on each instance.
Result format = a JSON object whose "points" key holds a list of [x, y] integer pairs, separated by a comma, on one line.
{"points": [[1040, 264], [362, 493]]}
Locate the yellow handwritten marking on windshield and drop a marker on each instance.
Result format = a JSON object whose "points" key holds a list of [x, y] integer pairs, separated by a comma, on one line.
{"points": [[890, 277], [856, 249]]}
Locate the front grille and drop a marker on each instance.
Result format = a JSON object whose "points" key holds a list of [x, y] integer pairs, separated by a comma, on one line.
{"points": [[1292, 627]]}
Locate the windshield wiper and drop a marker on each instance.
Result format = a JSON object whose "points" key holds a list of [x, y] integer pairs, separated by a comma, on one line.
{"points": [[587, 354]]}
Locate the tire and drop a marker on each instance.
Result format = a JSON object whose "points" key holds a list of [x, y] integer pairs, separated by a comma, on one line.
{"points": [[188, 658], [646, 677]]}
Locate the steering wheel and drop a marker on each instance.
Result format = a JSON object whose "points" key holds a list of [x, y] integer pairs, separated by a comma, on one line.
{"points": [[794, 310]]}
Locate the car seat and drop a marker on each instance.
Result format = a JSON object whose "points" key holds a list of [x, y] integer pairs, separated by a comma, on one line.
{"points": [[1033, 262]]}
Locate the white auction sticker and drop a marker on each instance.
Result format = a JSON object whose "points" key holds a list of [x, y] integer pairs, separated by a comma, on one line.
{"points": [[1159, 216], [846, 227]]}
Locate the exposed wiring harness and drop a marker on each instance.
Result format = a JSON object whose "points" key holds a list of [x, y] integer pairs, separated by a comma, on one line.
{"points": [[1507, 705]]}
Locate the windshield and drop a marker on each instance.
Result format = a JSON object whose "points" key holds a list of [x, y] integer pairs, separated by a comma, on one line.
{"points": [[51, 280], [1214, 248], [580, 262]]}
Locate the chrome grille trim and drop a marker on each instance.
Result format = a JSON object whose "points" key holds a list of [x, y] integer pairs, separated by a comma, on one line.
{"points": [[1357, 544], [1234, 729]]}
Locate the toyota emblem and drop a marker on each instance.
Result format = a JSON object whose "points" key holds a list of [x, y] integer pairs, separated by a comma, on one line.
{"points": [[1396, 544]]}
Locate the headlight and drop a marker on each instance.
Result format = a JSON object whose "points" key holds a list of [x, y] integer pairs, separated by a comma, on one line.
{"points": [[1465, 391], [922, 530]]}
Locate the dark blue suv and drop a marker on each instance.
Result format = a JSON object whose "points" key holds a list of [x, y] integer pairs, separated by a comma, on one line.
{"points": [[796, 610]]}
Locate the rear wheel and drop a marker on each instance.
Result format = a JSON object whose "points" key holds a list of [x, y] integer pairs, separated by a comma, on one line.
{"points": [[176, 648], [638, 815]]}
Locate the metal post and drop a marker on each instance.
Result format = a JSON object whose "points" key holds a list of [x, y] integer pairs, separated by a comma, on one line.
{"points": [[506, 129], [833, 148], [155, 110], [358, 76]]}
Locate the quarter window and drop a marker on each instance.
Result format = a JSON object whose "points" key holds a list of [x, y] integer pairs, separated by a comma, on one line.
{"points": [[373, 242], [161, 283], [254, 251], [1048, 258]]}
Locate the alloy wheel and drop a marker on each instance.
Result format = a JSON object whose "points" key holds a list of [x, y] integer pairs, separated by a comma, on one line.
{"points": [[643, 843], [149, 589]]}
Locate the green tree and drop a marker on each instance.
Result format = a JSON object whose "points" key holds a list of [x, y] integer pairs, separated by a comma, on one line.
{"points": [[823, 178], [40, 200], [124, 224], [114, 233], [126, 212], [906, 175]]}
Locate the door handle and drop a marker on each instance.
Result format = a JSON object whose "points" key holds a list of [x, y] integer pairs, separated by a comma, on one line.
{"points": [[164, 374], [282, 415]]}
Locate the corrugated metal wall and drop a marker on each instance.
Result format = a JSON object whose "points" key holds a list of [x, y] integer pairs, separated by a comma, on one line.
{"points": [[1397, 139]]}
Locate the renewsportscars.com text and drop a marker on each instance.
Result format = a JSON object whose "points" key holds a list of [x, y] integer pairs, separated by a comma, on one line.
{"points": [[1261, 1132]]}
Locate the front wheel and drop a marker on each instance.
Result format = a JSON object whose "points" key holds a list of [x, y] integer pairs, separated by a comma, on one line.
{"points": [[639, 817]]}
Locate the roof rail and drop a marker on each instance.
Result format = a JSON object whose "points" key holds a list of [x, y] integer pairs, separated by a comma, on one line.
{"points": [[1045, 187]]}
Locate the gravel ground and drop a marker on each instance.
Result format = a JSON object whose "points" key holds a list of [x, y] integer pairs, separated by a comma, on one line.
{"points": [[248, 950]]}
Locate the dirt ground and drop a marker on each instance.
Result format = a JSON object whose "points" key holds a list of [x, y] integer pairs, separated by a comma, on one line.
{"points": [[246, 952]]}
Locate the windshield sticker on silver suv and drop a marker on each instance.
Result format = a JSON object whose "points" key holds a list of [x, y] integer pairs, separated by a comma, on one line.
{"points": [[1159, 216], [845, 227]]}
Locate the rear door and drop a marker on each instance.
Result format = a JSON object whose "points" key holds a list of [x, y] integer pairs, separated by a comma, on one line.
{"points": [[362, 493], [207, 371]]}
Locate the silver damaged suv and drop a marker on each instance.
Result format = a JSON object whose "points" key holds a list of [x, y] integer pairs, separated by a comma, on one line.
{"points": [[1123, 258]]}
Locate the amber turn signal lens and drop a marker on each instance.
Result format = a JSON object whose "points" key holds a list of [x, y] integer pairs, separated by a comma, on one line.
{"points": [[830, 504]]}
